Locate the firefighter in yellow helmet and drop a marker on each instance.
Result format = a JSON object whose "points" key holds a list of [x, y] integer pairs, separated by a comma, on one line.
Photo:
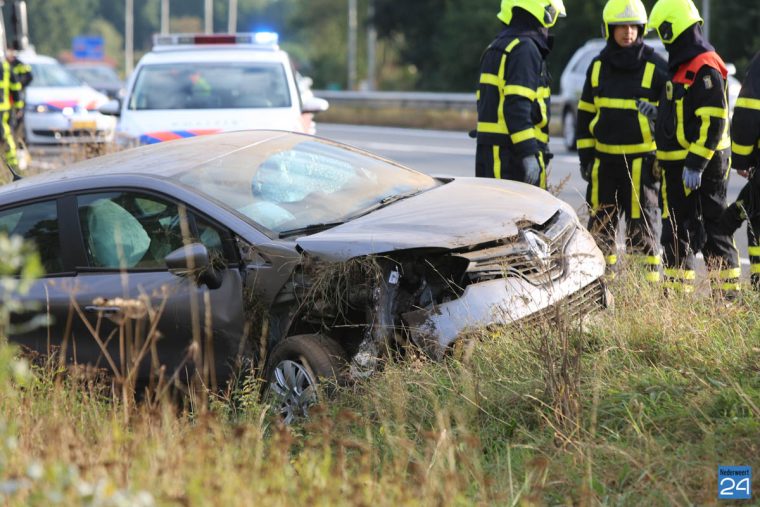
{"points": [[513, 94], [10, 102], [745, 156], [616, 147], [693, 148]]}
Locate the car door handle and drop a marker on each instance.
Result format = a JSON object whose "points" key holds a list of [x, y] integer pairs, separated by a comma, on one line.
{"points": [[102, 309]]}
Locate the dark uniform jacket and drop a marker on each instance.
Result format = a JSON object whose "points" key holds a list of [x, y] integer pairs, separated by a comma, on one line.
{"points": [[609, 123], [745, 126], [692, 120], [10, 88], [514, 93]]}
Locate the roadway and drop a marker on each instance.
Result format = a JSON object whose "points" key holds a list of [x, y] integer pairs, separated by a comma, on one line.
{"points": [[453, 154]]}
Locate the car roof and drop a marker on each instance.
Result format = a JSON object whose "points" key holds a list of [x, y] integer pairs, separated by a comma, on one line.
{"points": [[31, 57], [158, 160]]}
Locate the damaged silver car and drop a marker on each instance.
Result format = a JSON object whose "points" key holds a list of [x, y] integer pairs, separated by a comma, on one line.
{"points": [[310, 257]]}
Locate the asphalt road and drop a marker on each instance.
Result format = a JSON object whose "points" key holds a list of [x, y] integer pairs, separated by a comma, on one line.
{"points": [[453, 154]]}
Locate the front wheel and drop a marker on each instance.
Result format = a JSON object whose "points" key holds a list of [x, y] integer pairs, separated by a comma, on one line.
{"points": [[296, 368]]}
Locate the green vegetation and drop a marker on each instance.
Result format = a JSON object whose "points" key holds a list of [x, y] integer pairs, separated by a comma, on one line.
{"points": [[639, 409]]}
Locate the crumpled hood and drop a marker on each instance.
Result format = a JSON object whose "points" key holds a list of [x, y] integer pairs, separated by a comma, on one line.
{"points": [[464, 212]]}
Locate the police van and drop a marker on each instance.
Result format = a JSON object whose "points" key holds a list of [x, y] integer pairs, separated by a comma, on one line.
{"points": [[192, 84]]}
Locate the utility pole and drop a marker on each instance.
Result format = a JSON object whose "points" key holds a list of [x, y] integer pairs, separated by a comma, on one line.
{"points": [[165, 25], [209, 16], [371, 47], [352, 29], [129, 37], [232, 17], [706, 17]]}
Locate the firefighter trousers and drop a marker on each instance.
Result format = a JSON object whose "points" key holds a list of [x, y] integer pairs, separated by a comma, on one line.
{"points": [[494, 161], [7, 139], [625, 186], [747, 207], [691, 223]]}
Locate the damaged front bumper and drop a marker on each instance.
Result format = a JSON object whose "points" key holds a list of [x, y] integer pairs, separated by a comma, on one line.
{"points": [[516, 300]]}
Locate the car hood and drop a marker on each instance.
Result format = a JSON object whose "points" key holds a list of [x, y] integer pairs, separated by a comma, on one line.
{"points": [[463, 212], [164, 125], [58, 98]]}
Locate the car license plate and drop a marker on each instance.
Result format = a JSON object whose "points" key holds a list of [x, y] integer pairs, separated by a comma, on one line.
{"points": [[84, 124]]}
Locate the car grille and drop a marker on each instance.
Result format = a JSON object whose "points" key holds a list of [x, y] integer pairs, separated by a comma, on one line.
{"points": [[573, 308], [69, 133], [536, 255]]}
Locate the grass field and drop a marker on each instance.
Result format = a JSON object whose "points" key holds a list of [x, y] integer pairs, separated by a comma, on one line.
{"points": [[638, 409]]}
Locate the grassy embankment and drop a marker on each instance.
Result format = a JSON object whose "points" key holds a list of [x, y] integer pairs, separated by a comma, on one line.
{"points": [[640, 410]]}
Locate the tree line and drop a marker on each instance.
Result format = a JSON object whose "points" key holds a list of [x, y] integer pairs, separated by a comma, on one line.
{"points": [[422, 44]]}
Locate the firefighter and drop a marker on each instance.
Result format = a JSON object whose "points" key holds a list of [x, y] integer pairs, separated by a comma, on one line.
{"points": [[513, 94], [693, 148], [23, 73], [10, 102], [616, 137], [745, 156]]}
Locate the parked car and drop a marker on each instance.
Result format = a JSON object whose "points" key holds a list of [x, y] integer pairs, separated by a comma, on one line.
{"points": [[60, 109], [574, 77], [191, 85], [311, 257], [100, 76]]}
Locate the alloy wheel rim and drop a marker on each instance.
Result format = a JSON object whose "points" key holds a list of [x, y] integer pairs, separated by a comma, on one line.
{"points": [[294, 390]]}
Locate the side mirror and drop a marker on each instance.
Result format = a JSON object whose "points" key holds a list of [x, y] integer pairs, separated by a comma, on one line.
{"points": [[111, 108], [193, 260], [315, 105]]}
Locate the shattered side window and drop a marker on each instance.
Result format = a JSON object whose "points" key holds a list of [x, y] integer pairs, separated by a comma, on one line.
{"points": [[302, 183]]}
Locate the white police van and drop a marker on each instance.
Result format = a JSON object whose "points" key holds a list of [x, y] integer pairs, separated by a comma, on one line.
{"points": [[192, 84]]}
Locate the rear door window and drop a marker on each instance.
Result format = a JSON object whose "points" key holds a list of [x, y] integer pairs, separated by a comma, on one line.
{"points": [[38, 224]]}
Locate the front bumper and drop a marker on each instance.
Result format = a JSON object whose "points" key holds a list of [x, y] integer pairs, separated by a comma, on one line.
{"points": [[515, 300], [57, 128]]}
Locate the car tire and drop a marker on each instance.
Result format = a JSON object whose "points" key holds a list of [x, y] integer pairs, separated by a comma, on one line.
{"points": [[569, 134], [299, 367]]}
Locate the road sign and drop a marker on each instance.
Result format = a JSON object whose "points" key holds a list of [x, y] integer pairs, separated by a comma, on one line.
{"points": [[88, 47]]}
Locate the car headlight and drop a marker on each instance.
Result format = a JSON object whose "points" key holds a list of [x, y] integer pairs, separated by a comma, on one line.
{"points": [[37, 108]]}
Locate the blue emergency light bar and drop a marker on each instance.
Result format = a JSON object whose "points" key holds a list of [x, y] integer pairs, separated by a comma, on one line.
{"points": [[269, 39]]}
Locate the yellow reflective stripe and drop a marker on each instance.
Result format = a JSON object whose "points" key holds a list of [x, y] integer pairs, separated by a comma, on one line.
{"points": [[726, 274], [500, 113], [649, 260], [741, 149], [543, 92], [725, 141], [491, 128], [5, 104], [672, 155], [615, 103], [611, 260], [652, 276], [703, 152], [522, 91], [646, 81], [496, 162], [595, 186], [681, 274], [754, 251], [636, 180], [731, 286], [664, 193], [490, 79], [680, 135], [625, 149], [715, 112], [586, 106], [19, 104], [678, 286], [595, 73], [512, 45], [748, 103], [544, 114], [585, 143], [542, 181], [541, 136], [523, 135], [755, 269]]}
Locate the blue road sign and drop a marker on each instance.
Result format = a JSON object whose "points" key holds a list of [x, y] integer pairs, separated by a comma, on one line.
{"points": [[88, 47]]}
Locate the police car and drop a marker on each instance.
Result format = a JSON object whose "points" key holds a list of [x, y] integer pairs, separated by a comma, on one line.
{"points": [[191, 85]]}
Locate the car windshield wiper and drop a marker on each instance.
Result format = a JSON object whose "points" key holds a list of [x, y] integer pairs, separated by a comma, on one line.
{"points": [[309, 229], [386, 201]]}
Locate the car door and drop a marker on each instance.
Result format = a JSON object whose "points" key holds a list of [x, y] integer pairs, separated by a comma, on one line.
{"points": [[129, 305]]}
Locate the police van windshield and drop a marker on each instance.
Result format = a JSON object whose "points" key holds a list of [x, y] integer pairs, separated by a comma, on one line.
{"points": [[210, 86], [52, 75]]}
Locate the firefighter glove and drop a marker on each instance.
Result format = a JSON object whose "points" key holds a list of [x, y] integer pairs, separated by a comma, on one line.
{"points": [[532, 170], [692, 178], [647, 109], [586, 171]]}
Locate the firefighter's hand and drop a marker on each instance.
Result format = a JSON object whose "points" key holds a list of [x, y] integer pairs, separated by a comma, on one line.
{"points": [[692, 178], [647, 109], [532, 170], [586, 170]]}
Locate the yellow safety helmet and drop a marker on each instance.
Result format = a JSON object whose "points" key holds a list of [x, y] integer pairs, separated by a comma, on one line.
{"points": [[624, 12], [671, 18], [545, 11]]}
